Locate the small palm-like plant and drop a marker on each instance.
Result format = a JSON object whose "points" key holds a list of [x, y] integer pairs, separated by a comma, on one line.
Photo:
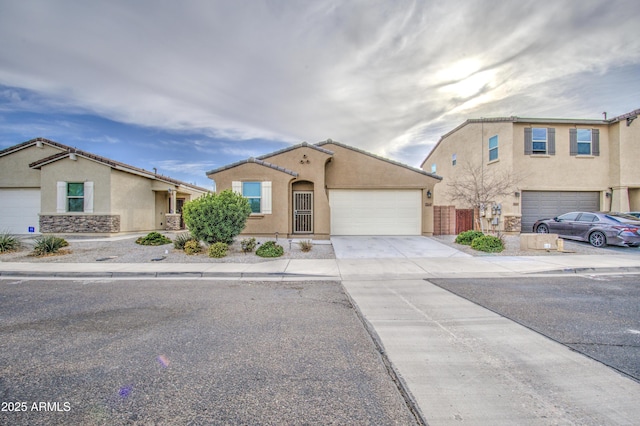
{"points": [[9, 242], [48, 244]]}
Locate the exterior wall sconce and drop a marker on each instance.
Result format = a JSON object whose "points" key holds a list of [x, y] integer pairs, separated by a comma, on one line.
{"points": [[428, 193], [607, 194], [517, 194]]}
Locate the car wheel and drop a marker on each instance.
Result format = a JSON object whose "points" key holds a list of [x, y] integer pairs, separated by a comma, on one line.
{"points": [[597, 239], [542, 229]]}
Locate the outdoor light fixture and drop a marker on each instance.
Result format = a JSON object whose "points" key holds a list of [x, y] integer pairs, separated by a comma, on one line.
{"points": [[517, 194], [428, 193]]}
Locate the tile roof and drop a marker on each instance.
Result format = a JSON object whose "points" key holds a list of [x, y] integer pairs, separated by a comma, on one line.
{"points": [[256, 161], [67, 151]]}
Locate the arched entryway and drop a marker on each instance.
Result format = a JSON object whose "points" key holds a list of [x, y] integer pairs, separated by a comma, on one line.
{"points": [[302, 207]]}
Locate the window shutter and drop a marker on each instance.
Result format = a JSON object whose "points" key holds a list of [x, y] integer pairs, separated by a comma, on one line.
{"points": [[88, 197], [61, 197], [528, 144], [595, 142], [266, 198], [551, 141], [573, 141], [236, 186]]}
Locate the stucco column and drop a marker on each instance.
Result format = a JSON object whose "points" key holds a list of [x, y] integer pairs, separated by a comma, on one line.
{"points": [[620, 199], [172, 200]]}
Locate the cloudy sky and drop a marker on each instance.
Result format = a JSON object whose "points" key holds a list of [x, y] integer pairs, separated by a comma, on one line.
{"points": [[190, 86]]}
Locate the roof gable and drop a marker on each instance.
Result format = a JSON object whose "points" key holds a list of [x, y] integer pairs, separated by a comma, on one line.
{"points": [[255, 161], [67, 151], [377, 157]]}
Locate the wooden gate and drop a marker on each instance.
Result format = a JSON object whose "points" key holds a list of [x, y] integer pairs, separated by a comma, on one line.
{"points": [[464, 220], [302, 212]]}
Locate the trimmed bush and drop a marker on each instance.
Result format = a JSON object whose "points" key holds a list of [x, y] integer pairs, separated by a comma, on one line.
{"points": [[248, 244], [153, 239], [467, 237], [9, 242], [217, 217], [305, 245], [192, 247], [218, 249], [488, 243], [270, 249], [181, 240], [48, 244]]}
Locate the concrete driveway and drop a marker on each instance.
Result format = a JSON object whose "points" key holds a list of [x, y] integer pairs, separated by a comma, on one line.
{"points": [[389, 247]]}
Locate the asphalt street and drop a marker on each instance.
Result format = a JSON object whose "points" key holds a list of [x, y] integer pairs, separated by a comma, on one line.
{"points": [[96, 352], [598, 315]]}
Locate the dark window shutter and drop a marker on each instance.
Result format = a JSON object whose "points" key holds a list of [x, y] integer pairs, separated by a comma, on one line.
{"points": [[551, 141], [595, 142], [528, 145], [573, 141]]}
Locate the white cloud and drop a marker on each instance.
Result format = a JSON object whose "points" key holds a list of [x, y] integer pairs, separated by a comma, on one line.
{"points": [[380, 75]]}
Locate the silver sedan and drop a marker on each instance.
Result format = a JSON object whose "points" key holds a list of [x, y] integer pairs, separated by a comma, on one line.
{"points": [[599, 229]]}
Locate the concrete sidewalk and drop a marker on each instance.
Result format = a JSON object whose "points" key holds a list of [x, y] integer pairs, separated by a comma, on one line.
{"points": [[380, 269]]}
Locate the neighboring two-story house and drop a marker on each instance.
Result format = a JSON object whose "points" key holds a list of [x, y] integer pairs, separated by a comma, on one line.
{"points": [[556, 166]]}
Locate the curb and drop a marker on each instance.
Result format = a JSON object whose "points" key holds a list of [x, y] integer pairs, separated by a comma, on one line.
{"points": [[40, 274]]}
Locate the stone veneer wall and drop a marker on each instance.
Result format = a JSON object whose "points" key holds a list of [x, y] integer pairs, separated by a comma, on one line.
{"points": [[512, 224], [172, 221], [86, 223]]}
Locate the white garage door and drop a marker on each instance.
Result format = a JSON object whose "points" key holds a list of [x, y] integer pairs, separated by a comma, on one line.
{"points": [[19, 210], [375, 212]]}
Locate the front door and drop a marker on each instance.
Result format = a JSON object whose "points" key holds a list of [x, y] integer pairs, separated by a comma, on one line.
{"points": [[302, 212]]}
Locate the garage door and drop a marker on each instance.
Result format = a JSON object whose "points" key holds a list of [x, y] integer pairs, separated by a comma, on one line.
{"points": [[19, 210], [375, 212], [547, 204]]}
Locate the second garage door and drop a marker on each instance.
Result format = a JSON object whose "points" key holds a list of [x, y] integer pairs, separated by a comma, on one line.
{"points": [[375, 212], [19, 209], [548, 204]]}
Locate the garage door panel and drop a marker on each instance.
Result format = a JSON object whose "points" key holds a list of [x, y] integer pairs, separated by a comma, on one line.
{"points": [[19, 209], [375, 212], [547, 204]]}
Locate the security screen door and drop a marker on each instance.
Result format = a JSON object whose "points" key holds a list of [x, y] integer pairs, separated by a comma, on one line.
{"points": [[302, 212]]}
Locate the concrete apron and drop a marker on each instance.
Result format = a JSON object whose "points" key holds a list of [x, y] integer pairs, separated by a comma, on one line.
{"points": [[391, 247], [463, 363]]}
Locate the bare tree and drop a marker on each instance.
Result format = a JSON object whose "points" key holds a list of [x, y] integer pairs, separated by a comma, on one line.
{"points": [[479, 187]]}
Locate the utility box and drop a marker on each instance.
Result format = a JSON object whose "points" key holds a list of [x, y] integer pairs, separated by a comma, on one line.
{"points": [[538, 242]]}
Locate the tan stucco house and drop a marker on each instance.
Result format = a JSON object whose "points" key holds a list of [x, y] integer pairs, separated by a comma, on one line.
{"points": [[558, 166], [48, 187], [328, 188]]}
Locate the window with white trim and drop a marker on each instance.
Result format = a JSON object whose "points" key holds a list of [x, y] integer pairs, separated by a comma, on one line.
{"points": [[539, 140], [75, 197], [493, 148], [584, 141], [252, 191], [258, 193]]}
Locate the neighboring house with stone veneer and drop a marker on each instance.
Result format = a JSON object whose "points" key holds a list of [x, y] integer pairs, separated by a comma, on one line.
{"points": [[315, 191], [564, 165], [48, 187]]}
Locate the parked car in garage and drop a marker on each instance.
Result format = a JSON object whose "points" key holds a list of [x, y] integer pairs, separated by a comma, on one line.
{"points": [[599, 229]]}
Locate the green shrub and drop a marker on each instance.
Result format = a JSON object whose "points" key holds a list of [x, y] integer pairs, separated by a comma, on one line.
{"points": [[153, 239], [270, 249], [218, 249], [488, 243], [467, 237], [217, 217], [192, 247], [305, 245], [248, 244], [9, 242], [47, 244], [181, 240]]}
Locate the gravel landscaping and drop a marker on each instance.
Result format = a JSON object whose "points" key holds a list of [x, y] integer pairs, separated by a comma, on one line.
{"points": [[123, 249]]}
